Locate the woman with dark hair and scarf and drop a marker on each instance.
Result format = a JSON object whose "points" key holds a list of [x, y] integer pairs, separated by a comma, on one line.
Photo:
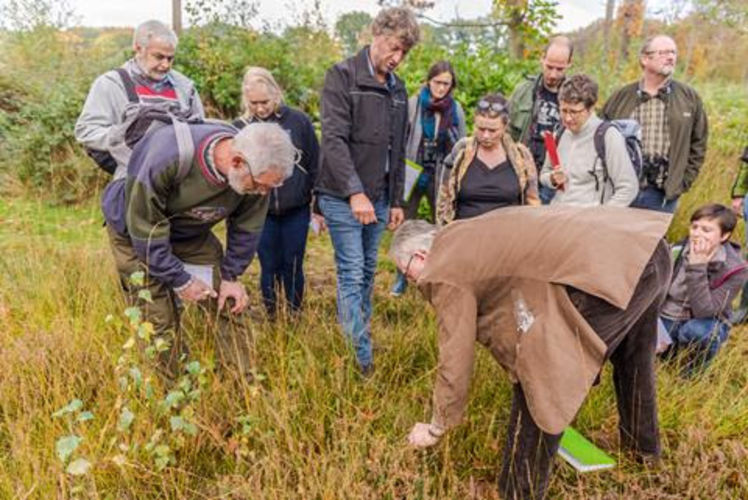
{"points": [[437, 122]]}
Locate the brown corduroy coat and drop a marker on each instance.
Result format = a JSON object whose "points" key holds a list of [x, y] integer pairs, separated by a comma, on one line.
{"points": [[499, 279]]}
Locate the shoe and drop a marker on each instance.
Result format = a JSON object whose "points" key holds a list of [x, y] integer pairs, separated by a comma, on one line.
{"points": [[401, 284], [367, 371]]}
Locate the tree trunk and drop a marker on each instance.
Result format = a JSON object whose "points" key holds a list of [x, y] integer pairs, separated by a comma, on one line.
{"points": [[176, 16], [516, 10], [609, 7]]}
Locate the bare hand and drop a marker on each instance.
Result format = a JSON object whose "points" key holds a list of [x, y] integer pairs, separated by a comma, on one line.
{"points": [[397, 216], [421, 436], [318, 222], [700, 251], [233, 290], [196, 291], [363, 210], [737, 206], [558, 178]]}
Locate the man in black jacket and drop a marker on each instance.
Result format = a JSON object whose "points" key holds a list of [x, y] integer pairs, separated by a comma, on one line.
{"points": [[362, 171]]}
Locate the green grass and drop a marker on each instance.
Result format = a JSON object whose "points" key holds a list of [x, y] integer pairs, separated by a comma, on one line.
{"points": [[310, 427]]}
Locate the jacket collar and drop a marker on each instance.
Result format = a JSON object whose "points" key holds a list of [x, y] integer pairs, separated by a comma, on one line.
{"points": [[275, 117], [365, 73], [662, 93]]}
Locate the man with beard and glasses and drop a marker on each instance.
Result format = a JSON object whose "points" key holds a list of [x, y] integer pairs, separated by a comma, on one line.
{"points": [[673, 122], [159, 219]]}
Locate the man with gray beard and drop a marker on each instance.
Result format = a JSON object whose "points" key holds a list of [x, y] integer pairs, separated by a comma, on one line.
{"points": [[673, 122]]}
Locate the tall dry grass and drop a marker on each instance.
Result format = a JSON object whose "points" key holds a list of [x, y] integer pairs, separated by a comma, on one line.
{"points": [[310, 427]]}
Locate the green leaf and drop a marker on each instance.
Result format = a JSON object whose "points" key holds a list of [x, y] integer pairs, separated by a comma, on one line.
{"points": [[145, 330], [162, 450], [176, 423], [85, 416], [161, 345], [137, 278], [145, 295], [190, 428], [67, 445], [125, 419], [78, 467], [134, 315], [72, 406], [136, 376], [161, 463], [129, 344], [173, 399], [193, 367]]}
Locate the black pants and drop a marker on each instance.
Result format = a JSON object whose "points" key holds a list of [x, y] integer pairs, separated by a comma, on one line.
{"points": [[631, 336]]}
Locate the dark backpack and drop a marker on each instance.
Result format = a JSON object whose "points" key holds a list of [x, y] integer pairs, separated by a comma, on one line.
{"points": [[632, 135], [138, 119]]}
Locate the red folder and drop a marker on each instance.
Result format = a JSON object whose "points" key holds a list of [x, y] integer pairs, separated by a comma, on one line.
{"points": [[552, 150]]}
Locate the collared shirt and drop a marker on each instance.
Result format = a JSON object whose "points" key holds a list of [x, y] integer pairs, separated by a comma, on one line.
{"points": [[651, 113]]}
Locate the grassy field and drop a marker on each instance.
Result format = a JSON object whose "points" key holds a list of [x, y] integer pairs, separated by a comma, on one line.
{"points": [[309, 427]]}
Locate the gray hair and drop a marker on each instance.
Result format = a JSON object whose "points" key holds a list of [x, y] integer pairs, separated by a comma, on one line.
{"points": [[579, 88], [266, 146], [255, 75], [153, 29], [398, 22], [412, 236]]}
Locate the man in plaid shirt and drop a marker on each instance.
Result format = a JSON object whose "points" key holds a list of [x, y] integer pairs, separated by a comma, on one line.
{"points": [[673, 121]]}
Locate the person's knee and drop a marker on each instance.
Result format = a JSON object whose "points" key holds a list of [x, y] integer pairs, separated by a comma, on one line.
{"points": [[697, 331]]}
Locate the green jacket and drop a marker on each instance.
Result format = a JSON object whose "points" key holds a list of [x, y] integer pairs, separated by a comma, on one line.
{"points": [[522, 108], [688, 131], [740, 188]]}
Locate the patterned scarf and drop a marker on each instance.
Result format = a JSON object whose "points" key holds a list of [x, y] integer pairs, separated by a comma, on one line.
{"points": [[448, 123]]}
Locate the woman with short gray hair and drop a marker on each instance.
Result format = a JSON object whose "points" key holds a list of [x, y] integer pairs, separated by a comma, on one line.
{"points": [[583, 178]]}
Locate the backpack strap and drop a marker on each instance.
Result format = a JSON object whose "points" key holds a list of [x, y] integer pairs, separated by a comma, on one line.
{"points": [[729, 274], [599, 141], [185, 146], [132, 95]]}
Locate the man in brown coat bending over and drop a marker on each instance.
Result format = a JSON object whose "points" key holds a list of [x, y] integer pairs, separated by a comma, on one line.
{"points": [[552, 292]]}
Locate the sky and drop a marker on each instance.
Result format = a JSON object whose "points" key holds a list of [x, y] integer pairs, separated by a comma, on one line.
{"points": [[575, 13]]}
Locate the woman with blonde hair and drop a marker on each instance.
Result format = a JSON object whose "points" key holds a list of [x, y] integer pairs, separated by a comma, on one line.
{"points": [[283, 242]]}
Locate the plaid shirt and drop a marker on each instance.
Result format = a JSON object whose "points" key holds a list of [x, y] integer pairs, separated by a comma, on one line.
{"points": [[651, 113]]}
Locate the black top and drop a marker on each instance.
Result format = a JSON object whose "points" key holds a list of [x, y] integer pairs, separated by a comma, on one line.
{"points": [[547, 118], [296, 191], [483, 189]]}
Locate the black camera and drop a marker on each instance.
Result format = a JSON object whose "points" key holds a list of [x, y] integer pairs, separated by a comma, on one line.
{"points": [[654, 171]]}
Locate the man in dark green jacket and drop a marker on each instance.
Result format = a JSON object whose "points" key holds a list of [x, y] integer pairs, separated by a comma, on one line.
{"points": [[673, 121], [534, 103]]}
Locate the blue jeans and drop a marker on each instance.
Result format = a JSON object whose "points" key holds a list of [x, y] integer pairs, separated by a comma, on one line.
{"points": [[356, 247], [653, 198], [702, 337], [281, 252], [545, 193]]}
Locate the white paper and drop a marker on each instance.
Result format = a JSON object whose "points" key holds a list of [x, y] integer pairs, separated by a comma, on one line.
{"points": [[200, 271], [663, 337]]}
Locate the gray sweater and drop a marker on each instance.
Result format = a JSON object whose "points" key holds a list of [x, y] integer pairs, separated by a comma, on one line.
{"points": [[579, 160], [105, 105]]}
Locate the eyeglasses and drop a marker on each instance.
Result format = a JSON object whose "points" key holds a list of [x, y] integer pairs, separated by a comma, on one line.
{"points": [[261, 184], [662, 53], [572, 112], [494, 107]]}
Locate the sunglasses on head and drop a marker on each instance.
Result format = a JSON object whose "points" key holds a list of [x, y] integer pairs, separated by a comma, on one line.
{"points": [[494, 107]]}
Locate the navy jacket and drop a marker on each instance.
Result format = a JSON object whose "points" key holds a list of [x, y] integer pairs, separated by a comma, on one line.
{"points": [[296, 191]]}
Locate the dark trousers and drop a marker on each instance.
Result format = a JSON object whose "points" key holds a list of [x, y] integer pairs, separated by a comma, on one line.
{"points": [[631, 336], [163, 310], [281, 252], [425, 186]]}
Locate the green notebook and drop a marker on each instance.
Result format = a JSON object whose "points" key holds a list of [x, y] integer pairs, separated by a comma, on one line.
{"points": [[582, 454]]}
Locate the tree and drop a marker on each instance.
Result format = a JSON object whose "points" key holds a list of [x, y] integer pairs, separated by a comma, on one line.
{"points": [[527, 22], [609, 8], [630, 20], [349, 29]]}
